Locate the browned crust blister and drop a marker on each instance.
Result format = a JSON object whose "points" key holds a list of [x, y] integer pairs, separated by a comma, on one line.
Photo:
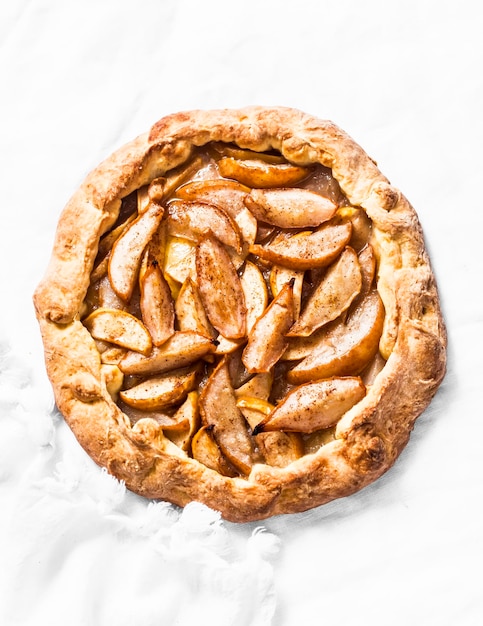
{"points": [[368, 438]]}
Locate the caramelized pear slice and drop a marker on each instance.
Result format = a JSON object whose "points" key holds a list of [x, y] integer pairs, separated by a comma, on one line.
{"points": [[367, 262], [290, 208], [267, 341], [179, 260], [332, 296], [307, 249], [279, 449], [220, 413], [157, 307], [190, 312], [120, 328], [106, 296], [314, 406], [127, 251], [343, 348], [160, 392], [258, 386], [205, 450], [255, 291], [279, 276], [181, 349], [220, 289], [194, 220], [259, 173], [179, 175], [242, 154], [187, 417]]}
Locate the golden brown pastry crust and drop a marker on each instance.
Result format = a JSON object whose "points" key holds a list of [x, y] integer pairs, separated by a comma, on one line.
{"points": [[369, 437]]}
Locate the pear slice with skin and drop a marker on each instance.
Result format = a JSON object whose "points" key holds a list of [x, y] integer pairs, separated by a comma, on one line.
{"points": [[219, 412], [279, 276], [278, 448], [290, 208], [229, 195], [255, 291], [126, 254], [181, 349], [187, 415], [190, 313], [194, 219], [160, 392], [367, 262], [267, 341], [205, 450], [220, 289], [258, 386], [242, 154], [120, 328], [343, 347], [259, 173], [332, 296], [314, 406], [307, 249], [179, 260], [157, 306]]}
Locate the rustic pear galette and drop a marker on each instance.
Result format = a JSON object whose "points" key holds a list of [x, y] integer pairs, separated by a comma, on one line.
{"points": [[240, 310]]}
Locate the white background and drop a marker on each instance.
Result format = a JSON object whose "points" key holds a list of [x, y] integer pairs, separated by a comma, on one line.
{"points": [[79, 79]]}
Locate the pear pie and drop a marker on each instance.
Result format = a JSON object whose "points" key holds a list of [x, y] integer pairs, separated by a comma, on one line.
{"points": [[240, 310]]}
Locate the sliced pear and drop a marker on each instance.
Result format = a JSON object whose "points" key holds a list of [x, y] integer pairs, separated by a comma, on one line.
{"points": [[279, 449], [306, 249], [106, 296], [220, 289], [188, 418], [280, 276], [228, 346], [290, 208], [258, 405], [109, 239], [259, 173], [314, 406], [267, 341], [160, 392], [229, 195], [255, 291], [367, 262], [181, 349], [179, 261], [219, 412], [179, 175], [164, 417], [361, 226], [343, 348], [258, 386], [142, 199], [205, 450], [373, 369], [190, 313], [120, 328], [332, 296], [242, 154], [194, 219], [157, 306], [127, 251]]}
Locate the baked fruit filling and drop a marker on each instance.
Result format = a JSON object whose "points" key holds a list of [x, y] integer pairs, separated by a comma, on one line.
{"points": [[234, 302]]}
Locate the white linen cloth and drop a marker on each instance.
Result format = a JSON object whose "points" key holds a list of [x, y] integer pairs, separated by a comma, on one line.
{"points": [[79, 79]]}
